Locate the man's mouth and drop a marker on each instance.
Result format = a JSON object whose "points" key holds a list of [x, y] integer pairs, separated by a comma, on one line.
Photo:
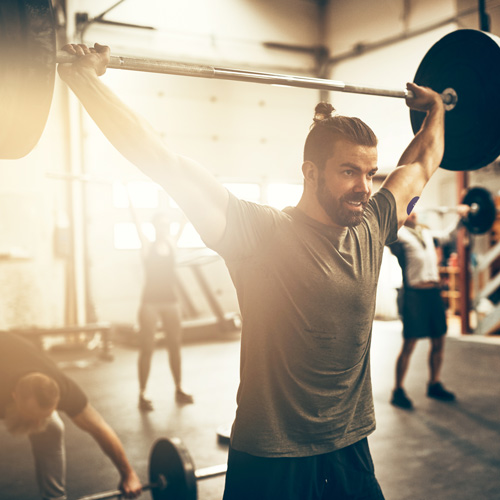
{"points": [[358, 205]]}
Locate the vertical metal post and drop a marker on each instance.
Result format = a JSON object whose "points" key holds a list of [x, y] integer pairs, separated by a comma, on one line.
{"points": [[463, 253], [484, 18]]}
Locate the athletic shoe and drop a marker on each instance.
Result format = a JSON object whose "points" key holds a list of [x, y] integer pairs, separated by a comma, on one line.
{"points": [[400, 399], [183, 398], [437, 391], [145, 404]]}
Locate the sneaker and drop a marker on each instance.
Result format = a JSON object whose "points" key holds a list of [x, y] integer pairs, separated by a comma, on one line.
{"points": [[183, 398], [400, 399], [145, 404], [437, 391]]}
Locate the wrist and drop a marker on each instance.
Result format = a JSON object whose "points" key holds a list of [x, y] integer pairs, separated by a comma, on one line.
{"points": [[437, 105], [72, 73]]}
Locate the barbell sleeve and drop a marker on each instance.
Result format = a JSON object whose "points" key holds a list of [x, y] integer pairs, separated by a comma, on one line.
{"points": [[207, 71]]}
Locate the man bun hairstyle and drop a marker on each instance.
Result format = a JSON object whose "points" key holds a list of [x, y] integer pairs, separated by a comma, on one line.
{"points": [[323, 111], [329, 127], [40, 386]]}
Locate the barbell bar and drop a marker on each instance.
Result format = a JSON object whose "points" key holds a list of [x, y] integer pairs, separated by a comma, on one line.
{"points": [[159, 485], [448, 96], [463, 66], [171, 473], [482, 214]]}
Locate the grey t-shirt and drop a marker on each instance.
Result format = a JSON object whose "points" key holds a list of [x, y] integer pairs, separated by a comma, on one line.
{"points": [[307, 298]]}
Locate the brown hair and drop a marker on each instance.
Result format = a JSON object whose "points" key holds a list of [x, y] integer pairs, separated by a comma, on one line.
{"points": [[40, 386], [326, 129]]}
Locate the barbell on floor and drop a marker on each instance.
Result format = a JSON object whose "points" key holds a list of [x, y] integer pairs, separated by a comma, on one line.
{"points": [[464, 66], [171, 473]]}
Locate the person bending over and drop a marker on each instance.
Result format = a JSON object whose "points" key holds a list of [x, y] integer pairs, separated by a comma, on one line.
{"points": [[306, 279], [32, 393]]}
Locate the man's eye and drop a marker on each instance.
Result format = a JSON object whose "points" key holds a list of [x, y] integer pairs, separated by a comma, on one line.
{"points": [[348, 172]]}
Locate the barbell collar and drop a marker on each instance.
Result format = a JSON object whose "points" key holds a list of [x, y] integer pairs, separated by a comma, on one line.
{"points": [[161, 66]]}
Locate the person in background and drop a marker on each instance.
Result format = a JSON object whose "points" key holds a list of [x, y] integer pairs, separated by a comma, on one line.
{"points": [[159, 302], [33, 390], [420, 305]]}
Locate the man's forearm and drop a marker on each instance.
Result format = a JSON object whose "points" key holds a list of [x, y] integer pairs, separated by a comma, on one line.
{"points": [[92, 422], [113, 448], [427, 147], [128, 133]]}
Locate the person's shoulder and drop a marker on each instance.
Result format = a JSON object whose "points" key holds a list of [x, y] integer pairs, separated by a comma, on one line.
{"points": [[383, 195], [381, 204], [252, 208]]}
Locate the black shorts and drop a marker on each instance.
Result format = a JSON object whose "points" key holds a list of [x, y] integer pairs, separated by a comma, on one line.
{"points": [[345, 474], [423, 313]]}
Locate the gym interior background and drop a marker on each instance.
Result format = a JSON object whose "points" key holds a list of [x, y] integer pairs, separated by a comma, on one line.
{"points": [[69, 253]]}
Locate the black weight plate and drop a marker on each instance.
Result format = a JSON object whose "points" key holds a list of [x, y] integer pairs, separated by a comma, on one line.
{"points": [[467, 61], [481, 221], [27, 62], [171, 458]]}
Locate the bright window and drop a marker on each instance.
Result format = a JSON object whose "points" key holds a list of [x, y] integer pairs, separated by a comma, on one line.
{"points": [[244, 191], [143, 194], [190, 238], [283, 195]]}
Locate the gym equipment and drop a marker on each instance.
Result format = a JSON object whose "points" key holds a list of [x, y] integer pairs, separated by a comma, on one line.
{"points": [[482, 214], [483, 210], [99, 337], [464, 67], [462, 60], [171, 473], [224, 433]]}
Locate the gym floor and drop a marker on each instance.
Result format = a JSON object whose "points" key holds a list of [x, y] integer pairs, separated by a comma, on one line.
{"points": [[438, 451]]}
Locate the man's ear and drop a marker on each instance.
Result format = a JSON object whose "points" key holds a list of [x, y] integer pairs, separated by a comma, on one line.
{"points": [[310, 172]]}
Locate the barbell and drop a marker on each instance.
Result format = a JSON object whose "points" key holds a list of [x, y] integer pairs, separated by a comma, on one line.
{"points": [[483, 210], [171, 473], [482, 213], [464, 67]]}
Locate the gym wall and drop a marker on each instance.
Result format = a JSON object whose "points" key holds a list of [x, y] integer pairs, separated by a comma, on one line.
{"points": [[240, 131]]}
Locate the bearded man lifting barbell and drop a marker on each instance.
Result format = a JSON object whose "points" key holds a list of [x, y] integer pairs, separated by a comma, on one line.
{"points": [[306, 279], [32, 392]]}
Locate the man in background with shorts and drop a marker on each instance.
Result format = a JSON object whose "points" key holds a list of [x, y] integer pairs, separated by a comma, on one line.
{"points": [[421, 308]]}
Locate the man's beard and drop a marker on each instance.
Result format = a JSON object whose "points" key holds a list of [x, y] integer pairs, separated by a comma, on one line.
{"points": [[336, 209], [20, 426]]}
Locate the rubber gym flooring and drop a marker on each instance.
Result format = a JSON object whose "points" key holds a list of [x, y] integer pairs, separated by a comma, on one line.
{"points": [[438, 451]]}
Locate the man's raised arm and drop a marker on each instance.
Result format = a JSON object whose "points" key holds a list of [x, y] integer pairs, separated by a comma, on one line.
{"points": [[422, 156], [202, 198]]}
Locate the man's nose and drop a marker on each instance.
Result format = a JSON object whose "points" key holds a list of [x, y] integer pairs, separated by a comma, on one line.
{"points": [[363, 185]]}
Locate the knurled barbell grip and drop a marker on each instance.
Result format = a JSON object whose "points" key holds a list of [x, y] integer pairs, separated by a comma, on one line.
{"points": [[206, 71]]}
